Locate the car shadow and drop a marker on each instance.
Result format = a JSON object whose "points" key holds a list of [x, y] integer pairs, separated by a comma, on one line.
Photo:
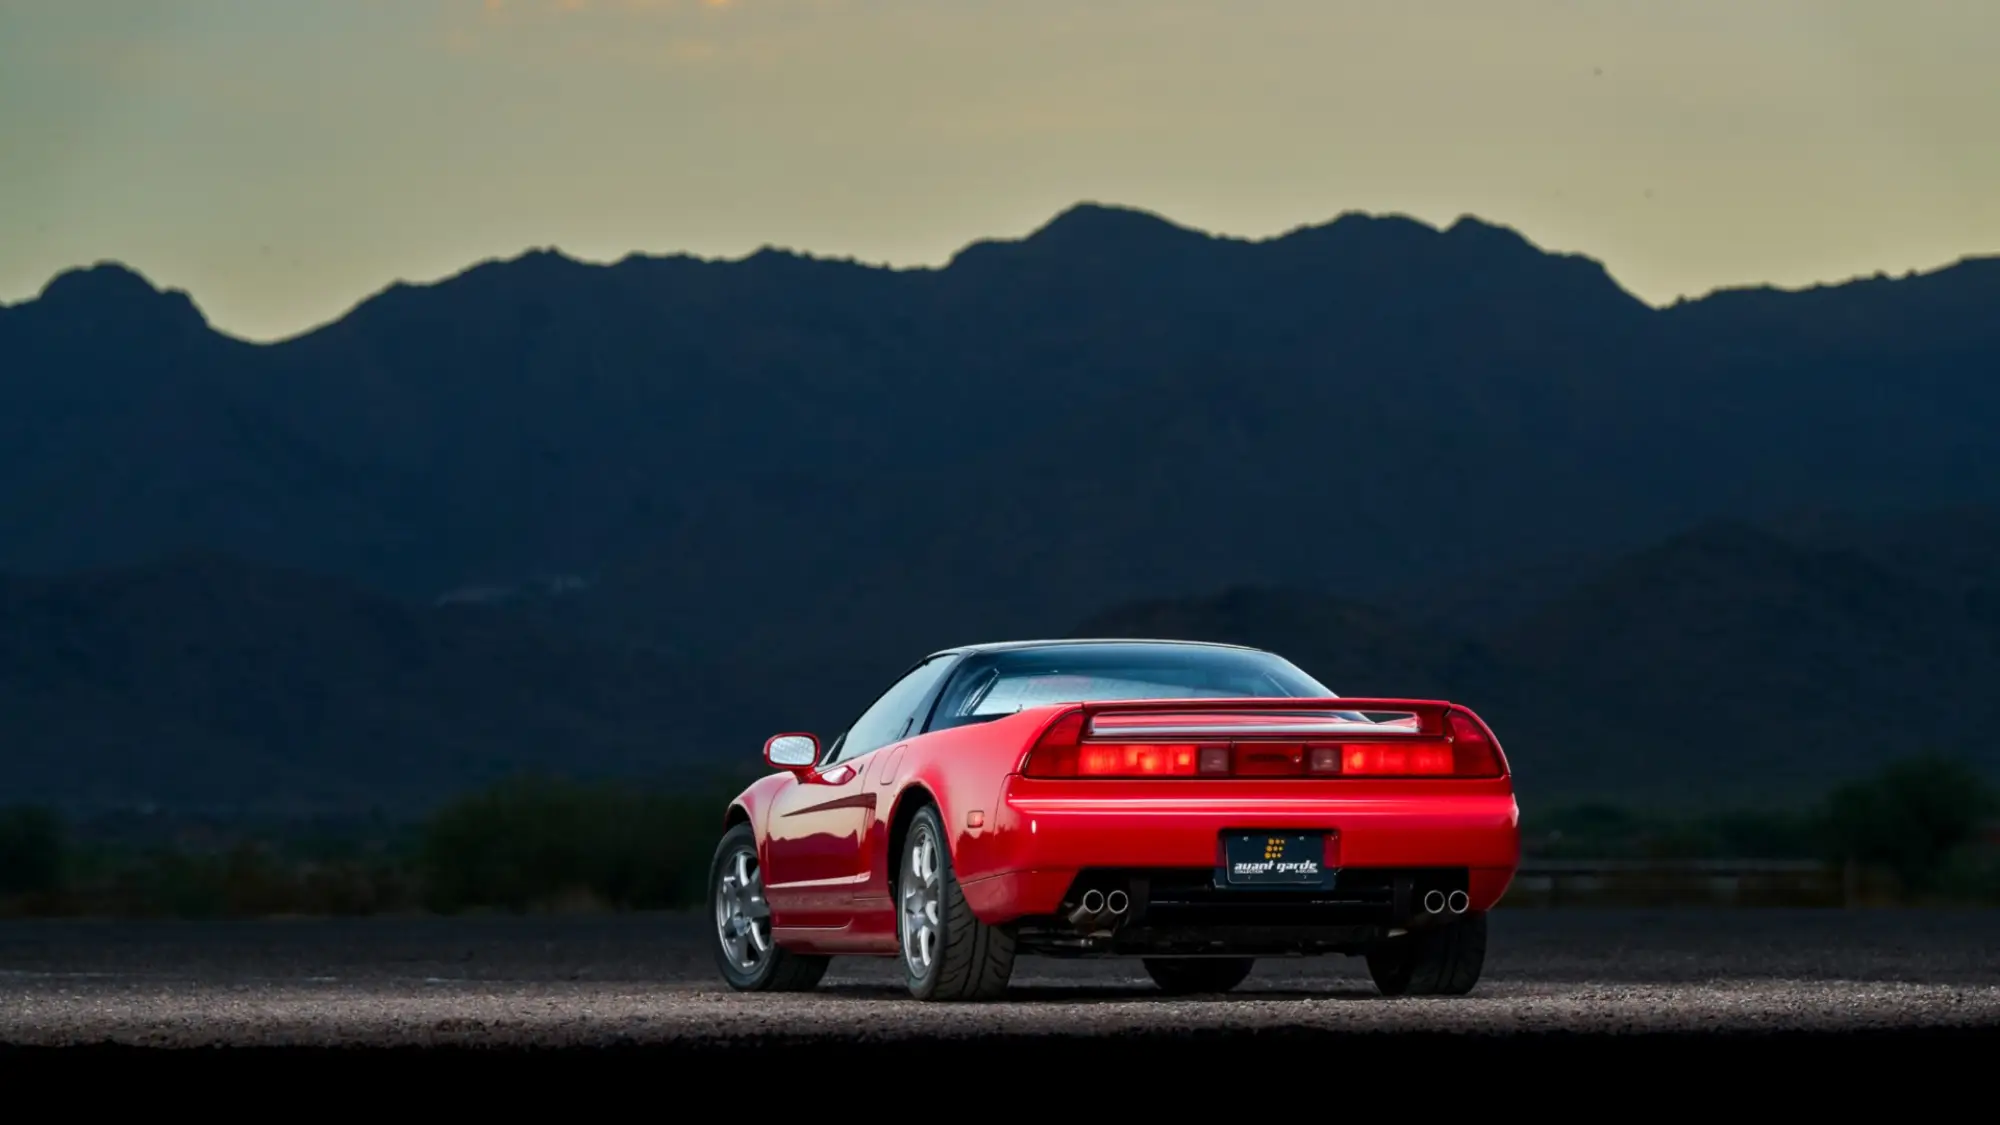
{"points": [[1113, 994]]}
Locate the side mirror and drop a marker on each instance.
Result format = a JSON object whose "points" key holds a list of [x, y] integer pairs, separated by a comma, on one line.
{"points": [[794, 752]]}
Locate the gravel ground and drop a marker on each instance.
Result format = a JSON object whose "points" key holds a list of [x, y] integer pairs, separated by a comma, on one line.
{"points": [[649, 980]]}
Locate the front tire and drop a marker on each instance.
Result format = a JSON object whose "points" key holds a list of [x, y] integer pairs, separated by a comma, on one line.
{"points": [[1434, 961], [948, 953], [750, 961], [1188, 976]]}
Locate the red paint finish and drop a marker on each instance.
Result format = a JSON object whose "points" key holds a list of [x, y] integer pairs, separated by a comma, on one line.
{"points": [[1136, 824], [1436, 792], [892, 768], [812, 855]]}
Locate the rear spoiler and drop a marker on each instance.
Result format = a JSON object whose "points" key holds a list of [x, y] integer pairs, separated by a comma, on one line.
{"points": [[1346, 719], [1327, 738]]}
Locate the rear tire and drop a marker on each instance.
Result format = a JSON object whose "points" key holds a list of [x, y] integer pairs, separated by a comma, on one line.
{"points": [[948, 953], [1434, 961], [750, 961], [1188, 976]]}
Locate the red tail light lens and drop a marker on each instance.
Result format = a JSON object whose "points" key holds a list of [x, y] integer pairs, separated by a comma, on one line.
{"points": [[1475, 753], [1055, 754], [1419, 759], [1469, 750], [1061, 752], [1136, 761]]}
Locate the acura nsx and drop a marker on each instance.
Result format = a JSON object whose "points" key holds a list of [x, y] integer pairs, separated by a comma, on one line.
{"points": [[1194, 805]]}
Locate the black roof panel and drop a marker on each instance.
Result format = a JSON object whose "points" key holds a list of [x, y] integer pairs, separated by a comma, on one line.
{"points": [[1009, 646]]}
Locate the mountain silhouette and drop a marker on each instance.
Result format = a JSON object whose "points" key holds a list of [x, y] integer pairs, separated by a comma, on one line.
{"points": [[809, 471], [1356, 649], [205, 683], [1729, 663], [1730, 660]]}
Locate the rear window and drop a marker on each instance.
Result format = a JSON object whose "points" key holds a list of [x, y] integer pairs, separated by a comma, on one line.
{"points": [[989, 685]]}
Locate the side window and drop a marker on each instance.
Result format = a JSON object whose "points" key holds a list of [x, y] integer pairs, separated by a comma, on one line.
{"points": [[891, 716], [974, 678]]}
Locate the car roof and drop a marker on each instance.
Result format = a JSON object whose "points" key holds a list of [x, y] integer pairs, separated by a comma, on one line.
{"points": [[1070, 642]]}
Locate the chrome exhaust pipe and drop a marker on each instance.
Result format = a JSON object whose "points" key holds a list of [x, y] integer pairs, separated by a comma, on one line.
{"points": [[1117, 902], [1458, 902], [1434, 902], [1089, 909]]}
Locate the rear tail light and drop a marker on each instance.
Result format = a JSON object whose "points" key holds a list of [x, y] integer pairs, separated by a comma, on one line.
{"points": [[1467, 750], [1136, 761], [1061, 752], [1475, 752], [1416, 759], [1056, 753]]}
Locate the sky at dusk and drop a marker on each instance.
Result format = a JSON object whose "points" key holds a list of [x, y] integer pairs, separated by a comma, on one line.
{"points": [[283, 159]]}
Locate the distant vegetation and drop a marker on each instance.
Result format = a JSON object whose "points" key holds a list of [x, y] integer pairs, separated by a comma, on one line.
{"points": [[547, 846], [1920, 821], [529, 846], [523, 846]]}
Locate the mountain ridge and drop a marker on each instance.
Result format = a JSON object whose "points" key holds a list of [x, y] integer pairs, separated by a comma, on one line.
{"points": [[1086, 213], [206, 682], [1357, 309], [1730, 664], [805, 470]]}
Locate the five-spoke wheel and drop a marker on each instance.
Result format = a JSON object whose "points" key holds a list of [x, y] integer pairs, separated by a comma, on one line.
{"points": [[923, 920], [750, 959], [948, 953], [742, 920]]}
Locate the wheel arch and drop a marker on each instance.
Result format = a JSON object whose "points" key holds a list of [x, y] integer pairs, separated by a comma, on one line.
{"points": [[753, 807], [736, 814], [913, 797]]}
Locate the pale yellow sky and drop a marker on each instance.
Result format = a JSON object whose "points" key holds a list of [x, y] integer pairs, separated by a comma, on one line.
{"points": [[283, 159]]}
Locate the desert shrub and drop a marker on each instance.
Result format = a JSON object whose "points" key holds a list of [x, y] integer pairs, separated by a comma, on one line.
{"points": [[1912, 819], [531, 844], [32, 852]]}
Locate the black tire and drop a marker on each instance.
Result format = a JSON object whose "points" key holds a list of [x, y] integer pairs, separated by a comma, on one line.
{"points": [[775, 969], [1187, 976], [969, 960], [1433, 961]]}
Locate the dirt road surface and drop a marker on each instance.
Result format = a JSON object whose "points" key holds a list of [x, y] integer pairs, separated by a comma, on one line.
{"points": [[649, 980]]}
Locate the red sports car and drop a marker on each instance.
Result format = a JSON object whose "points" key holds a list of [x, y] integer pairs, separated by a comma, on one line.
{"points": [[1195, 805]]}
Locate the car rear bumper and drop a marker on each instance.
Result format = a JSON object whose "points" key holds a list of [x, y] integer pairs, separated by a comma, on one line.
{"points": [[1388, 841]]}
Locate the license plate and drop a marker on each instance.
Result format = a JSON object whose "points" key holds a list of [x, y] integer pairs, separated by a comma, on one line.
{"points": [[1274, 859]]}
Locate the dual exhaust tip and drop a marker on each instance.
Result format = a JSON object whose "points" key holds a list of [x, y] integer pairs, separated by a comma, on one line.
{"points": [[1097, 902], [1096, 907], [1437, 902]]}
